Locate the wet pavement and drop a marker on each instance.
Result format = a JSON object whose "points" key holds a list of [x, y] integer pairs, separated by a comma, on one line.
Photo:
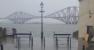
{"points": [[25, 45]]}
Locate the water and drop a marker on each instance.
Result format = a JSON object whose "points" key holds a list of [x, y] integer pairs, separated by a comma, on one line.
{"points": [[49, 30]]}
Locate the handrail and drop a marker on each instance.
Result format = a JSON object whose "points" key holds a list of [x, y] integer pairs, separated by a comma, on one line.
{"points": [[23, 34]]}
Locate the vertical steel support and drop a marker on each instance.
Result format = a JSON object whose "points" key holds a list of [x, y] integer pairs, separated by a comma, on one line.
{"points": [[56, 43], [32, 43], [29, 40], [44, 43], [70, 43], [18, 39], [42, 36]]}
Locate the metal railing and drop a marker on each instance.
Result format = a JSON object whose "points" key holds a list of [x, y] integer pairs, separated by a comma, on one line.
{"points": [[18, 40], [62, 41]]}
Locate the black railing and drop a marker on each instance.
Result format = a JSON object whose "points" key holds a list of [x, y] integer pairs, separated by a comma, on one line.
{"points": [[62, 36], [18, 38]]}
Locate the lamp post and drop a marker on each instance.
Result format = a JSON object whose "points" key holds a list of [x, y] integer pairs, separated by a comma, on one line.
{"points": [[42, 37]]}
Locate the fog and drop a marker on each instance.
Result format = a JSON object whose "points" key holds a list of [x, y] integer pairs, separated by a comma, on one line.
{"points": [[8, 7]]}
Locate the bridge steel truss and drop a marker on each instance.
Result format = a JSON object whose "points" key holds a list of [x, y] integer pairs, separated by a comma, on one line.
{"points": [[67, 15]]}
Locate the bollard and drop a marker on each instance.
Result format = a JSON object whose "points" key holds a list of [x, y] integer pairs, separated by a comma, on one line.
{"points": [[2, 47]]}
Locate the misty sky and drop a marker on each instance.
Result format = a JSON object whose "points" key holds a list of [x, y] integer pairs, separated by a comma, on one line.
{"points": [[8, 7]]}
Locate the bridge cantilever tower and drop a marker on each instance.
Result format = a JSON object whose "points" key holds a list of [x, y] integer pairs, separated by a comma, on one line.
{"points": [[67, 15]]}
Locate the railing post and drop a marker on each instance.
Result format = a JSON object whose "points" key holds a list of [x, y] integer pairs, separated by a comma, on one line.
{"points": [[32, 43], [56, 43], [18, 43], [70, 43], [29, 39], [44, 43], [1, 46]]}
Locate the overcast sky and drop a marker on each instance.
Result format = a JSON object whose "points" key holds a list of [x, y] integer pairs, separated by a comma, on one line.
{"points": [[7, 7]]}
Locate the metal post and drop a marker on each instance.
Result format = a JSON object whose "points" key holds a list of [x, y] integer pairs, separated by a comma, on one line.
{"points": [[18, 43], [44, 43], [56, 43], [68, 43], [32, 43], [29, 39], [42, 38], [1, 46]]}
